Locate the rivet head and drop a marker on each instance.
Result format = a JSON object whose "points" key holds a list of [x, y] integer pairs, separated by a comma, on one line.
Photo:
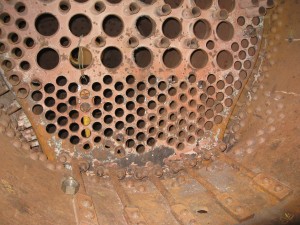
{"points": [[266, 180], [86, 203], [184, 212], [228, 200], [135, 215], [278, 188], [238, 209], [158, 172], [89, 214]]}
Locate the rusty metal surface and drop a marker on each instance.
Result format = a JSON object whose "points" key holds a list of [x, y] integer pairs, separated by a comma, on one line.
{"points": [[256, 183], [30, 193], [106, 80]]}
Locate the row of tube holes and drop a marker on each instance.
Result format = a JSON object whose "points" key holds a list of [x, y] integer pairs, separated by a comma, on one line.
{"points": [[47, 24]]}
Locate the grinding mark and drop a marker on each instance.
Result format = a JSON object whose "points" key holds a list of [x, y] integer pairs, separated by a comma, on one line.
{"points": [[289, 93], [258, 74], [75, 212], [56, 145], [217, 135], [7, 186]]}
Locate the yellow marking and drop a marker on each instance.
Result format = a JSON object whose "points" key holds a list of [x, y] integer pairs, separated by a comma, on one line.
{"points": [[86, 120], [87, 133]]}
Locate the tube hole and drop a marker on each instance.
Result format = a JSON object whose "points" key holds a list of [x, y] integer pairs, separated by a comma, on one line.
{"points": [[65, 42], [225, 31], [80, 25], [112, 25], [64, 6], [174, 3], [224, 59], [172, 58], [37, 109], [29, 42], [145, 25], [203, 4], [46, 24], [227, 5], [111, 57], [199, 59], [171, 28], [202, 29], [142, 57], [81, 58], [47, 58]]}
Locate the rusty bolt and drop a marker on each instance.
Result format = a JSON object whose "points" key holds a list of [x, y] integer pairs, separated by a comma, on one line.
{"points": [[83, 166], [63, 158], [99, 171], [158, 171], [222, 147], [193, 162], [129, 184], [190, 162], [175, 167], [121, 173], [70, 186], [139, 174]]}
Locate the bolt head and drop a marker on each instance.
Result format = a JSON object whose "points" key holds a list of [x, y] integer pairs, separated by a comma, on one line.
{"points": [[70, 186]]}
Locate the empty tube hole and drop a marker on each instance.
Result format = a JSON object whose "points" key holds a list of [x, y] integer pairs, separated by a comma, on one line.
{"points": [[172, 58], [80, 25], [224, 59], [225, 31], [111, 57], [145, 26], [46, 24], [171, 28], [202, 29], [199, 59], [142, 57], [112, 25]]}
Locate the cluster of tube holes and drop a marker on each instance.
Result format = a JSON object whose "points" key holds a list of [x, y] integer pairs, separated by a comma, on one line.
{"points": [[131, 114], [177, 112]]}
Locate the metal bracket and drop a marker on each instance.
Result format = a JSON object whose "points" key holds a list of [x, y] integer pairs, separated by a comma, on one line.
{"points": [[272, 186], [182, 214], [233, 207], [133, 216], [85, 211]]}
